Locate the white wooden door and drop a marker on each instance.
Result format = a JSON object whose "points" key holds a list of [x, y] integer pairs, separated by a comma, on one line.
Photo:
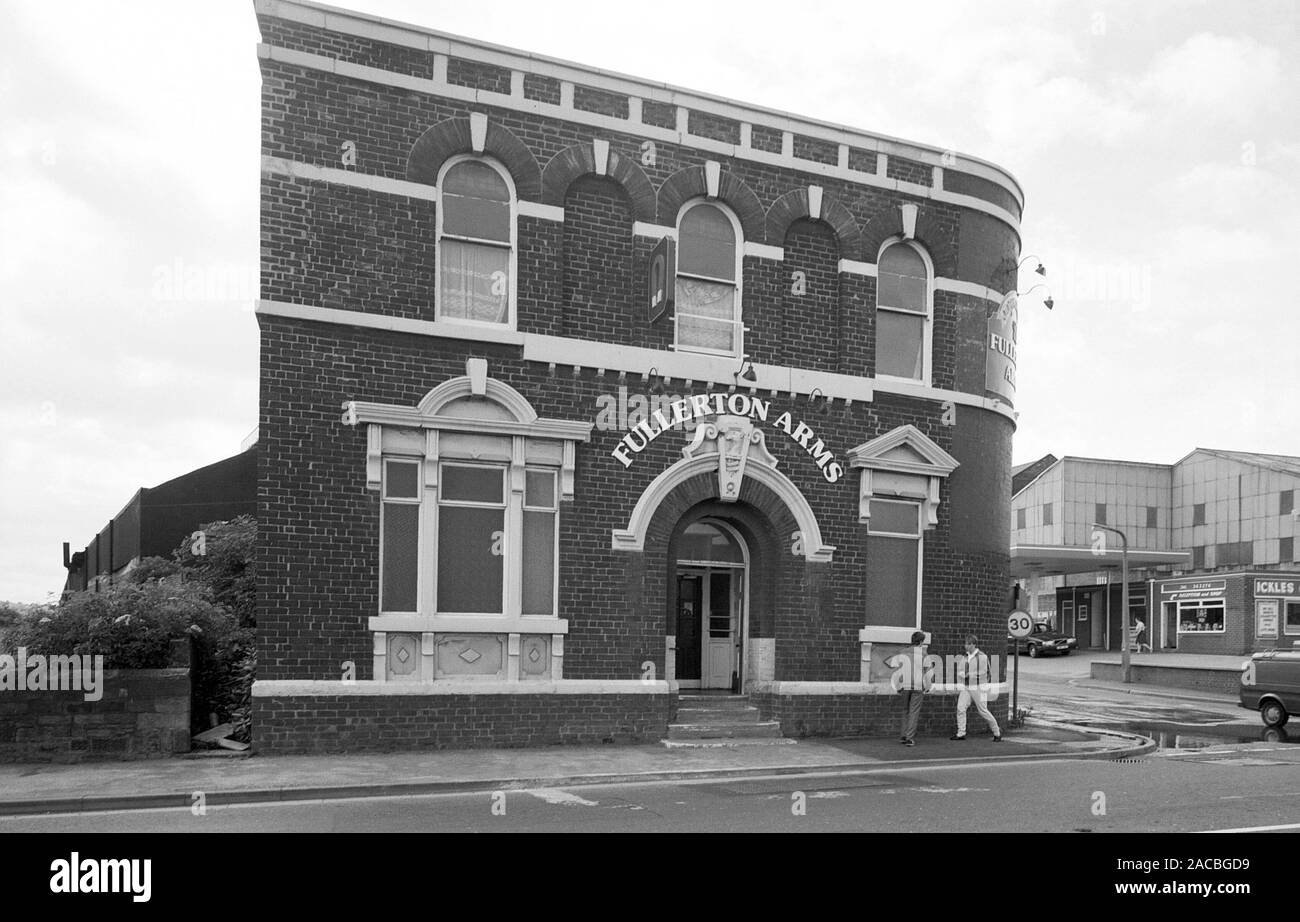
{"points": [[721, 621]]}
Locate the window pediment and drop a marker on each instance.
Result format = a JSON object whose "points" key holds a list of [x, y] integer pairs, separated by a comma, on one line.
{"points": [[902, 462]]}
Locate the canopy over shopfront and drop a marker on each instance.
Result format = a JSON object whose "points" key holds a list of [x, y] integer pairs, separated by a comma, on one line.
{"points": [[1031, 560]]}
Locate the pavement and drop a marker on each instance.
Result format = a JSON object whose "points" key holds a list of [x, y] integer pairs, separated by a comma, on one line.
{"points": [[1076, 670], [239, 778]]}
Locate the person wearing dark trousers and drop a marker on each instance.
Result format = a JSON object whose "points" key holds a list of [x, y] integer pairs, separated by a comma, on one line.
{"points": [[912, 680], [974, 676]]}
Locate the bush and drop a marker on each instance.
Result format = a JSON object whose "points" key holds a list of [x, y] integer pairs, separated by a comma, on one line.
{"points": [[133, 624]]}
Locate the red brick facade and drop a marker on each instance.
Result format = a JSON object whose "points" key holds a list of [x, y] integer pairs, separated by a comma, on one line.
{"points": [[357, 238]]}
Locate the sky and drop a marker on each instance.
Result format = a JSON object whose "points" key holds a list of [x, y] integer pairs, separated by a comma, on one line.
{"points": [[1158, 145]]}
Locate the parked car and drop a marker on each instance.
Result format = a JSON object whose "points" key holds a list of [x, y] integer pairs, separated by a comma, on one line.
{"points": [[1270, 684], [1043, 641]]}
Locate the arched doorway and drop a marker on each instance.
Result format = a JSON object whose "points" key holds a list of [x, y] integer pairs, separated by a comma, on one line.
{"points": [[712, 616]]}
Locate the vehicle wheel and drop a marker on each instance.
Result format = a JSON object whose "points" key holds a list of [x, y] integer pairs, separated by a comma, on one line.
{"points": [[1033, 651], [1273, 713]]}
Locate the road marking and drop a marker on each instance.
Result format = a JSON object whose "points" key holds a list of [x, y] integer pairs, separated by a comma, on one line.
{"points": [[1256, 828], [562, 798]]}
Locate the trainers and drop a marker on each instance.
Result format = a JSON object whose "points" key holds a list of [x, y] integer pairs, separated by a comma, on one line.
{"points": [[997, 738], [956, 736], [908, 742]]}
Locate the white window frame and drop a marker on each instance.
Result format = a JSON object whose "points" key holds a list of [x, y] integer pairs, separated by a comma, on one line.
{"points": [[420, 538], [927, 324], [918, 537], [507, 538], [1286, 628], [1193, 604], [738, 319], [511, 321], [554, 509]]}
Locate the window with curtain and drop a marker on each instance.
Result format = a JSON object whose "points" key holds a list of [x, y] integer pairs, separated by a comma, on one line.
{"points": [[708, 289], [902, 311], [476, 230]]}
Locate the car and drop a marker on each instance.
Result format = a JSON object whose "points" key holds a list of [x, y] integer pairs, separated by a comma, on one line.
{"points": [[1270, 684], [1043, 641]]}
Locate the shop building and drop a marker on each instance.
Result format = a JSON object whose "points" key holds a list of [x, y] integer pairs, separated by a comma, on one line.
{"points": [[581, 393], [1212, 564]]}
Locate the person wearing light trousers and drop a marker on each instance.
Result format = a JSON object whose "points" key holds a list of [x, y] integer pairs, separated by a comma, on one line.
{"points": [[975, 673]]}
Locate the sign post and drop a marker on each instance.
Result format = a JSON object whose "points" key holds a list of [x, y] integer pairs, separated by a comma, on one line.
{"points": [[1019, 625]]}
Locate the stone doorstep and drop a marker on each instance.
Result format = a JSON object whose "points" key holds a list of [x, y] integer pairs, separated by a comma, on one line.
{"points": [[699, 715], [758, 729], [714, 702]]}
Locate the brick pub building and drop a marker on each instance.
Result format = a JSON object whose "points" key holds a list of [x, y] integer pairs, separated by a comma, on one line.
{"points": [[581, 394]]}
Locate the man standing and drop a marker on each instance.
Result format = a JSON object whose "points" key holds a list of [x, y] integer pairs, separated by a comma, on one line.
{"points": [[975, 670], [912, 680]]}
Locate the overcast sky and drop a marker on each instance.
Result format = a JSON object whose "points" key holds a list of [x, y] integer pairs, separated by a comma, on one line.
{"points": [[1158, 144]]}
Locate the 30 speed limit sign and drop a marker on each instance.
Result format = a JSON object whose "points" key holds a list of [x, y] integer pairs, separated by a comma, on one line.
{"points": [[1020, 624]]}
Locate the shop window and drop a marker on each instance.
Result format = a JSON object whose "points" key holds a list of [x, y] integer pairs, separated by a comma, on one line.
{"points": [[1020, 518], [1099, 514], [1198, 514], [1047, 513], [1200, 618], [1292, 625], [1286, 502], [1286, 550], [894, 564], [903, 313], [399, 560], [1198, 558], [707, 312], [1152, 516], [476, 242]]}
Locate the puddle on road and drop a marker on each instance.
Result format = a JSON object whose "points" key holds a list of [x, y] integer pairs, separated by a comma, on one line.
{"points": [[1176, 737]]}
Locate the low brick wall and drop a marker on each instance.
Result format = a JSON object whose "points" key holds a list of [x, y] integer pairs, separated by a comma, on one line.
{"points": [[804, 715], [335, 723], [1218, 681], [142, 714]]}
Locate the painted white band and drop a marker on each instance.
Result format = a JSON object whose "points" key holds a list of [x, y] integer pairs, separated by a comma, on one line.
{"points": [[854, 267], [556, 350], [445, 624]]}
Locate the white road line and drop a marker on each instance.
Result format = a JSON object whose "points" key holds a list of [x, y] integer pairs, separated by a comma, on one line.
{"points": [[556, 796], [1256, 828]]}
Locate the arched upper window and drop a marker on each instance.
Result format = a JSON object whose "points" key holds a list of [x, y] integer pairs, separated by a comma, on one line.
{"points": [[476, 242], [708, 280], [903, 313]]}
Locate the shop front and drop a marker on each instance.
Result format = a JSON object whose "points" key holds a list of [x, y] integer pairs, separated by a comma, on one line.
{"points": [[1232, 613]]}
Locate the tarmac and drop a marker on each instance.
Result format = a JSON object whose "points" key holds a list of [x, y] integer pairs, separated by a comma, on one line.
{"points": [[230, 778]]}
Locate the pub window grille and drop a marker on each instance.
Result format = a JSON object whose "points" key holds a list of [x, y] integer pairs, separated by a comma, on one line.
{"points": [[903, 310], [476, 242], [707, 312]]}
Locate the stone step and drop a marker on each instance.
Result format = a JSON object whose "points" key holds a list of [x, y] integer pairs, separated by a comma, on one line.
{"points": [[728, 744], [761, 729], [700, 715], [737, 702]]}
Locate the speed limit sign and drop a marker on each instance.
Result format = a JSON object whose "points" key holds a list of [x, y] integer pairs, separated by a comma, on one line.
{"points": [[1020, 624]]}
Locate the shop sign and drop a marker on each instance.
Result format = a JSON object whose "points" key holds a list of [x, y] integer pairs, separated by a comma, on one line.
{"points": [[661, 279], [1278, 587], [1195, 589], [742, 405], [1000, 364], [1266, 619]]}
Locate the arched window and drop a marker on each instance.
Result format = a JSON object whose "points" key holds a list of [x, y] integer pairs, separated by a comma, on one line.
{"points": [[476, 242], [903, 313], [708, 280]]}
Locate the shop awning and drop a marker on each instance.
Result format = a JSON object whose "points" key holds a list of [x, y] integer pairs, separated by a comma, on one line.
{"points": [[1029, 560]]}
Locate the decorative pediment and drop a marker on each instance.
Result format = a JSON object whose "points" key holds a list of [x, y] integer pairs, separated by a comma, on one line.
{"points": [[471, 416], [904, 462], [736, 442]]}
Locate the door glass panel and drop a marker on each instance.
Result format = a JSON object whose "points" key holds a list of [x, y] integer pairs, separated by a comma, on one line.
{"points": [[702, 541], [688, 626], [720, 605]]}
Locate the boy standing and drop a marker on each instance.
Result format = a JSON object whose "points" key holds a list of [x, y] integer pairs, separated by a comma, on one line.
{"points": [[912, 680]]}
